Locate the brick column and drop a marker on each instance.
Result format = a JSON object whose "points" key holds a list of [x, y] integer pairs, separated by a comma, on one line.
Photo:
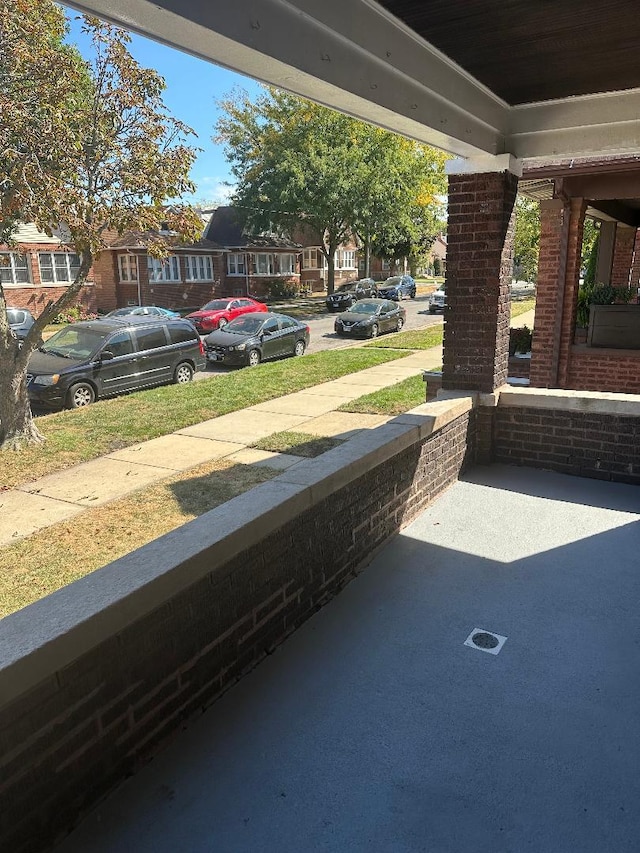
{"points": [[635, 267], [479, 271], [552, 264], [623, 255], [577, 209]]}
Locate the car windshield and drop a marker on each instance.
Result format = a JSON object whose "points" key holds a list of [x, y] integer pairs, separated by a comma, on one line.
{"points": [[350, 285], [15, 317], [74, 342], [121, 312], [245, 325], [215, 305], [365, 308], [390, 282]]}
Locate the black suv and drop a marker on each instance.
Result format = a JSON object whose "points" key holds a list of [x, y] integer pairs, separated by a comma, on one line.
{"points": [[348, 293], [103, 358]]}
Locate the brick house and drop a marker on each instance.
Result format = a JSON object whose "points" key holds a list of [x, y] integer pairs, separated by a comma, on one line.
{"points": [[39, 268], [250, 262]]}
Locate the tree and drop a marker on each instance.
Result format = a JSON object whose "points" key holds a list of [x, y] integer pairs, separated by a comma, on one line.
{"points": [[301, 166], [527, 238], [86, 147]]}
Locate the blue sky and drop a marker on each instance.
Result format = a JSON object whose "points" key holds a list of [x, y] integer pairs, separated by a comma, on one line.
{"points": [[193, 86]]}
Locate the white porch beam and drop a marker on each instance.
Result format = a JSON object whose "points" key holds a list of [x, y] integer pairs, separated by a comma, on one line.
{"points": [[351, 55]]}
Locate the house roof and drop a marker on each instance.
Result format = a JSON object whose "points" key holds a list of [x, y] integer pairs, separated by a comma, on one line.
{"points": [[226, 228], [142, 239]]}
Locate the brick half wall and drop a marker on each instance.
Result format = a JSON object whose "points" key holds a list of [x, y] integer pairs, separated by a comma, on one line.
{"points": [[120, 659]]}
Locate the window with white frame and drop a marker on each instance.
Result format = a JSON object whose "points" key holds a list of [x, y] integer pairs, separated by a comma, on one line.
{"points": [[310, 259], [128, 267], [199, 268], [58, 267], [14, 268], [264, 263], [236, 264], [163, 269], [346, 260], [287, 264]]}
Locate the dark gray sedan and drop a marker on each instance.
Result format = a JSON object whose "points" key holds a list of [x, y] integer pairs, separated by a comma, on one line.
{"points": [[370, 317], [257, 337]]}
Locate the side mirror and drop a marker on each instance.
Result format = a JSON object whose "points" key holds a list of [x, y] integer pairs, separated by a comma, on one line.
{"points": [[106, 355]]}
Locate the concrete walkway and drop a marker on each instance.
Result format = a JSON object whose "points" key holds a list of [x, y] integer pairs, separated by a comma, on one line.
{"points": [[61, 496], [375, 729]]}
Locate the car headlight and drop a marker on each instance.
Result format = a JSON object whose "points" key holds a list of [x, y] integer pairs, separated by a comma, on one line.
{"points": [[47, 380], [240, 347]]}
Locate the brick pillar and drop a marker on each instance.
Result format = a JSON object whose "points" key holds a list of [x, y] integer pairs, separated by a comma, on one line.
{"points": [[552, 265], [623, 255], [479, 271], [634, 281], [577, 209]]}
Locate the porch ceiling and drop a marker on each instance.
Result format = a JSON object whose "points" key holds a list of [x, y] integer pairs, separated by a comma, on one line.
{"points": [[470, 76]]}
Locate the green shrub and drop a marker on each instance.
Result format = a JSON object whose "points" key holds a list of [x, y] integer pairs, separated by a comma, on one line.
{"points": [[278, 288], [520, 340], [599, 294], [74, 315]]}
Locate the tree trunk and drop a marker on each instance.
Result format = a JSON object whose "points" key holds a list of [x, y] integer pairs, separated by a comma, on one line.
{"points": [[367, 258], [17, 427]]}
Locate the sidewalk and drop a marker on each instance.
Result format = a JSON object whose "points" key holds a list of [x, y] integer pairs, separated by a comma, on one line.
{"points": [[59, 497]]}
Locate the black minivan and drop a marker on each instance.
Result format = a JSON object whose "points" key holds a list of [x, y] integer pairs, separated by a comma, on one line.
{"points": [[103, 358]]}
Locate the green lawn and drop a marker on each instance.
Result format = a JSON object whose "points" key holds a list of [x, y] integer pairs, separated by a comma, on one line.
{"points": [[518, 308], [393, 400], [105, 426], [414, 339], [297, 443]]}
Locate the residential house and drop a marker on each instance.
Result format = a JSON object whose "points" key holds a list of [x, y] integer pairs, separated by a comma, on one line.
{"points": [[252, 262]]}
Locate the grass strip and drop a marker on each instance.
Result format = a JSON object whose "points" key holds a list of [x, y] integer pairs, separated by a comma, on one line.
{"points": [[108, 425], [297, 443], [58, 555], [518, 308], [414, 339], [393, 400]]}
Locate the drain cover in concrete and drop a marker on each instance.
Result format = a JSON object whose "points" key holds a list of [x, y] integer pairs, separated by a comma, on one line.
{"points": [[485, 641]]}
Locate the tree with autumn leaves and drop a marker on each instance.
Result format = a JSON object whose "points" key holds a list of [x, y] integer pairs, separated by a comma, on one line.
{"points": [[299, 165], [86, 147]]}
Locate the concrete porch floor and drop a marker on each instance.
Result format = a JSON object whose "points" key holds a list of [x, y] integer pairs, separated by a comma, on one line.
{"points": [[374, 728]]}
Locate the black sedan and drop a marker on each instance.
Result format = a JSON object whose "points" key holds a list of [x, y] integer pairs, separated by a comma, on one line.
{"points": [[347, 294], [253, 338], [370, 317]]}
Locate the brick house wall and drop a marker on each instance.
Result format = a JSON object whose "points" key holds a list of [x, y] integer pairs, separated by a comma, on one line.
{"points": [[623, 256], [604, 370]]}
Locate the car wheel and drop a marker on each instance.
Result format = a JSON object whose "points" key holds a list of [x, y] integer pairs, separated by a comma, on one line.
{"points": [[299, 348], [399, 323], [413, 294], [222, 322], [254, 358], [80, 395], [183, 373], [374, 330]]}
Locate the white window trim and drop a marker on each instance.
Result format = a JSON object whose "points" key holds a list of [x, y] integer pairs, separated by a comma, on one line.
{"points": [[12, 266], [136, 270], [56, 282], [187, 263], [235, 256], [151, 262]]}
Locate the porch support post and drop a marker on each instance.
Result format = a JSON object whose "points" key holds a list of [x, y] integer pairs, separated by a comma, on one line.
{"points": [[623, 256], [552, 265], [480, 233], [577, 210], [635, 267], [606, 243]]}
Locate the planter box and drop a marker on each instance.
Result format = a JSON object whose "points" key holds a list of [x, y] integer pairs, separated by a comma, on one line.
{"points": [[614, 326]]}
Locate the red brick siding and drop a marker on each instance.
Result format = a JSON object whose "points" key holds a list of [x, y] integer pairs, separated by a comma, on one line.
{"points": [[578, 207], [590, 445], [635, 268], [479, 270], [604, 370], [623, 256], [552, 257], [83, 729]]}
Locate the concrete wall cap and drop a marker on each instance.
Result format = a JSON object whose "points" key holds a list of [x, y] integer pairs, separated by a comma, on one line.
{"points": [[598, 402]]}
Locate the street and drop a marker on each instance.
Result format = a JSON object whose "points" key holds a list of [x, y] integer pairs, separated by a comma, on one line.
{"points": [[323, 337]]}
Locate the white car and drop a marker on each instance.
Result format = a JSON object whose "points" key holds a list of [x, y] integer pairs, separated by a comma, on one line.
{"points": [[437, 301]]}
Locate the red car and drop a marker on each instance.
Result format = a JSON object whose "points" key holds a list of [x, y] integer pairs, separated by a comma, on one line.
{"points": [[217, 313]]}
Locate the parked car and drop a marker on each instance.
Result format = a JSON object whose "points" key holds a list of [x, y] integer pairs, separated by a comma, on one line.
{"points": [[257, 337], [437, 301], [348, 293], [397, 287], [104, 358], [20, 321], [369, 317], [145, 310], [217, 313]]}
